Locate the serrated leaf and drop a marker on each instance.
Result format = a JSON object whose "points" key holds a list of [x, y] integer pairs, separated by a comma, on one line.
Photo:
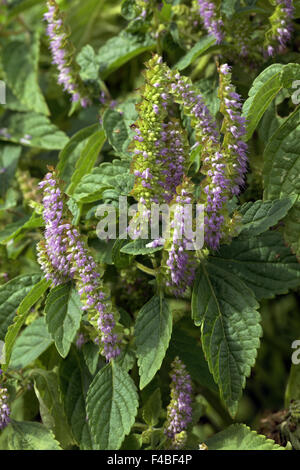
{"points": [[139, 247], [31, 436], [75, 380], [201, 47], [291, 231], [73, 150], [43, 134], [116, 123], [63, 315], [152, 408], [108, 175], [240, 437], [89, 63], [51, 408], [87, 159], [264, 89], [90, 353], [111, 406], [11, 295], [14, 229], [23, 310], [259, 216], [153, 331], [31, 343], [264, 263], [20, 64], [120, 49], [226, 310], [282, 160]]}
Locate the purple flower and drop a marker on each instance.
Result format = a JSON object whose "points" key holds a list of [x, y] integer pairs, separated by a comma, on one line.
{"points": [[4, 408], [225, 168], [63, 256], [61, 55], [212, 23], [179, 412], [281, 27], [181, 263]]}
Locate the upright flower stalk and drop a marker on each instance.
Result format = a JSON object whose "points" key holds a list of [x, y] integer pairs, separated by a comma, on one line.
{"points": [[212, 22], [180, 261], [62, 55], [281, 29], [225, 169], [179, 411], [4, 407], [160, 145], [64, 256]]}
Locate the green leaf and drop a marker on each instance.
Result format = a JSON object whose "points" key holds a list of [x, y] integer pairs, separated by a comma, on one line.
{"points": [[240, 437], [11, 295], [116, 123], [43, 133], [152, 408], [153, 331], [20, 66], [259, 216], [264, 263], [190, 352], [87, 159], [23, 310], [31, 343], [51, 407], [281, 173], [113, 175], [291, 231], [73, 150], [112, 404], [292, 392], [282, 160], [139, 247], [74, 381], [289, 74], [90, 353], [120, 49], [11, 231], [63, 315], [225, 308], [89, 63], [200, 48], [264, 89], [9, 157], [31, 436]]}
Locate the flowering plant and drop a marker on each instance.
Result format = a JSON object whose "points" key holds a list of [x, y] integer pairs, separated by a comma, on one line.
{"points": [[149, 225]]}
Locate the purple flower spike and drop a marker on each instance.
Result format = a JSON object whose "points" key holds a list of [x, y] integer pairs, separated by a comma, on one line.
{"points": [[63, 256], [212, 23], [179, 413], [61, 55], [4, 408]]}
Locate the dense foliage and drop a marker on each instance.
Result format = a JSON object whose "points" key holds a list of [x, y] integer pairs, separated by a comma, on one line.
{"points": [[117, 337]]}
